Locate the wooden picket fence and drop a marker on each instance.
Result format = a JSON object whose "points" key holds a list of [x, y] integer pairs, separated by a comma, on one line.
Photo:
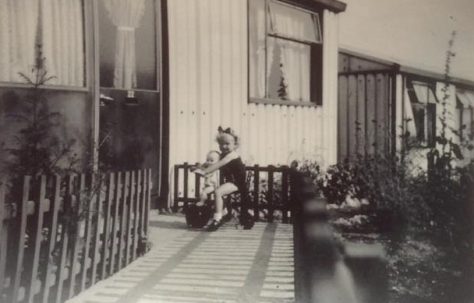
{"points": [[268, 190], [60, 235]]}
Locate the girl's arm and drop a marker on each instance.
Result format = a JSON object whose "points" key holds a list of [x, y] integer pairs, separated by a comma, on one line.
{"points": [[213, 167]]}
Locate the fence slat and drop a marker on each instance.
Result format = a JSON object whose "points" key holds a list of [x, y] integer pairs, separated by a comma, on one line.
{"points": [[284, 195], [123, 222], [271, 205], [20, 245], [148, 200], [256, 189], [128, 243], [88, 223], [136, 211], [65, 228], [176, 188], [32, 260], [97, 242], [185, 188], [116, 222], [53, 227], [75, 244], [3, 235], [197, 185], [105, 241], [142, 204]]}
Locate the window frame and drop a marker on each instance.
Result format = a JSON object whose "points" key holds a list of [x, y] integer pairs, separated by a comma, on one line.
{"points": [[466, 131], [430, 113], [319, 79], [158, 64]]}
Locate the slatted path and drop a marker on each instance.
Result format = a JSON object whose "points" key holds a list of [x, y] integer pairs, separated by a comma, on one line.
{"points": [[230, 265]]}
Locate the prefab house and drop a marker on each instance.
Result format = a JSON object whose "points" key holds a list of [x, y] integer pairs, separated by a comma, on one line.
{"points": [[380, 100], [146, 83], [265, 68]]}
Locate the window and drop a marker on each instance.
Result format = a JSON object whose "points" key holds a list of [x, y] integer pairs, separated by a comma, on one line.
{"points": [[421, 113], [285, 53], [127, 30], [128, 76], [465, 107], [56, 25]]}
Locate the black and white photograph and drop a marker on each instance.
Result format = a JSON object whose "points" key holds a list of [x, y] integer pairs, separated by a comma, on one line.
{"points": [[236, 151]]}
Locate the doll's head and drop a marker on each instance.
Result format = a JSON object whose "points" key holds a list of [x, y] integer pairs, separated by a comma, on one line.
{"points": [[212, 157], [227, 140]]}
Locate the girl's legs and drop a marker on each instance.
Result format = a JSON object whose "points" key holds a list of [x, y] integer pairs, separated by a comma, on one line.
{"points": [[220, 192]]}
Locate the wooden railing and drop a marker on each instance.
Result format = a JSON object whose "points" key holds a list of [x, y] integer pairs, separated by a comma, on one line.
{"points": [[59, 236], [327, 270], [268, 190]]}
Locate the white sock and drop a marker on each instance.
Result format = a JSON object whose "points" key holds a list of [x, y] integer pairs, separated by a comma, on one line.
{"points": [[217, 216]]}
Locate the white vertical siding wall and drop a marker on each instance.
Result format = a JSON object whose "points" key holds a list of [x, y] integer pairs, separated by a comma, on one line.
{"points": [[330, 47], [208, 88]]}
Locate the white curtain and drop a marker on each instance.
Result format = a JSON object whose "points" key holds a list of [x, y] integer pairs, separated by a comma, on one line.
{"points": [[293, 58], [62, 38], [293, 62], [409, 117], [18, 26], [126, 16]]}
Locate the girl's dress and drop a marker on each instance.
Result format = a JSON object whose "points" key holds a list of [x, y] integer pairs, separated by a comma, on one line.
{"points": [[234, 172]]}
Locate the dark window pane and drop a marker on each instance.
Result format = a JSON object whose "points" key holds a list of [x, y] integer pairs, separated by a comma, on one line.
{"points": [[431, 123], [132, 62], [419, 117]]}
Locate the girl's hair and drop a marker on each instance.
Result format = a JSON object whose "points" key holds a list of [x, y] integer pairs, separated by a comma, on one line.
{"points": [[227, 131]]}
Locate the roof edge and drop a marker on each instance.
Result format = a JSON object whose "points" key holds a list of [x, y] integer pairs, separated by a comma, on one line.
{"points": [[404, 69]]}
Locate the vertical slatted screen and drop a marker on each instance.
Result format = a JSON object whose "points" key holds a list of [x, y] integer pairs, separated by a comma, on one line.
{"points": [[59, 236], [365, 114]]}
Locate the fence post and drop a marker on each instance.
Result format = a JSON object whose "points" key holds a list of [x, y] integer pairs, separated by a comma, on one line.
{"points": [[95, 246], [284, 194], [53, 226], [3, 236], [123, 206], [256, 190], [20, 228], [197, 185], [77, 198], [185, 185], [116, 222], [36, 228], [271, 170], [61, 275], [106, 250], [88, 195], [322, 273]]}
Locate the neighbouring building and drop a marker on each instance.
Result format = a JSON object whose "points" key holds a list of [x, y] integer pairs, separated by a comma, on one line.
{"points": [[380, 100]]}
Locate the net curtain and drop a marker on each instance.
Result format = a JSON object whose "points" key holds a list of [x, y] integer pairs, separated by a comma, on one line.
{"points": [[56, 25], [18, 26], [126, 16]]}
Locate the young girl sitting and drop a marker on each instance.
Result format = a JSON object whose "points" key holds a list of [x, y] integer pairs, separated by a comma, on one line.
{"points": [[232, 169]]}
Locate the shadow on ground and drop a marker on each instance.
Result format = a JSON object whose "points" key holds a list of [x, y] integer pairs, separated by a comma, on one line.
{"points": [[168, 225]]}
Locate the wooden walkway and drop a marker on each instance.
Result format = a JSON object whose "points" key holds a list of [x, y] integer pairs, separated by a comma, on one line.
{"points": [[230, 265]]}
